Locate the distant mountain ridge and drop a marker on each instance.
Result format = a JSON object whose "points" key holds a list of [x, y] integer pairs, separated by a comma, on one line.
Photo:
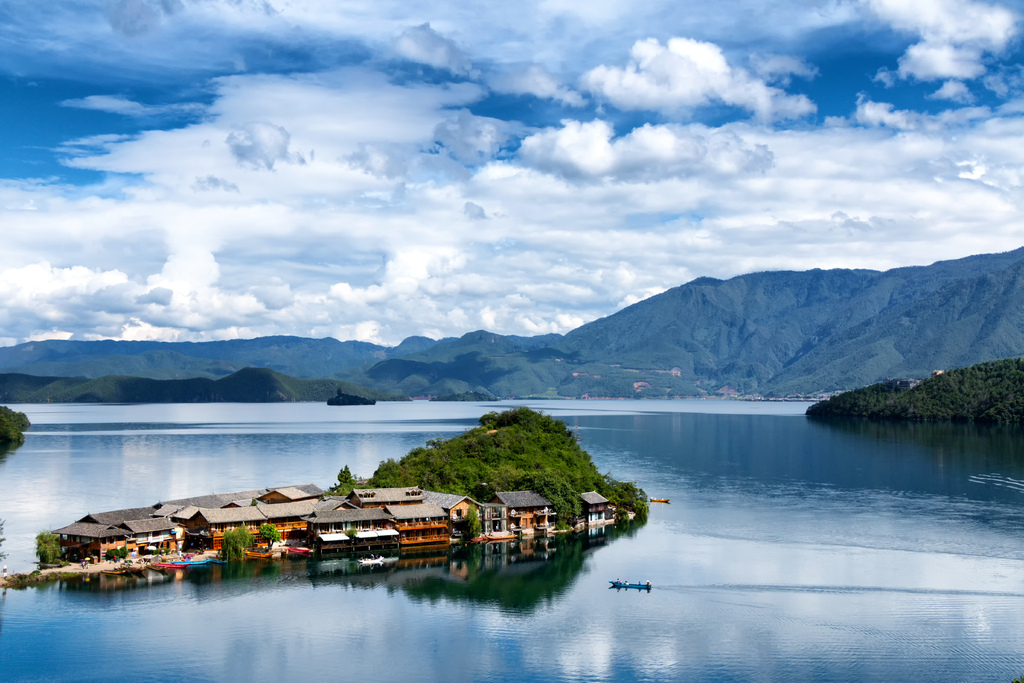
{"points": [[771, 333]]}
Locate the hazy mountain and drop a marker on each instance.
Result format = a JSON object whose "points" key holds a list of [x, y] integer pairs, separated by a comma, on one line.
{"points": [[774, 333]]}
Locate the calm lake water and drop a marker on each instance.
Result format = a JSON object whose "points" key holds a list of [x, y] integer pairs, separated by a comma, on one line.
{"points": [[793, 550]]}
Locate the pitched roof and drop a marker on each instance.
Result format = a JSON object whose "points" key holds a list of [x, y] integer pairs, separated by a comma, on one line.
{"points": [[299, 508], [348, 515], [229, 515], [445, 500], [522, 499], [118, 516], [419, 511], [593, 498], [393, 495], [332, 503], [216, 500], [91, 530], [137, 526]]}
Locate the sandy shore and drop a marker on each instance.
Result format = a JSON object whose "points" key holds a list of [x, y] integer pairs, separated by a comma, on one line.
{"points": [[97, 568]]}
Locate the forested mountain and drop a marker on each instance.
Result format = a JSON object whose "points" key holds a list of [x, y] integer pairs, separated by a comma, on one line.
{"points": [[771, 333], [249, 385], [987, 392]]}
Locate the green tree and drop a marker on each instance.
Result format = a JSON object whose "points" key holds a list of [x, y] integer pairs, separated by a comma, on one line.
{"points": [[346, 482], [270, 534], [47, 547], [234, 543], [12, 424], [473, 520]]}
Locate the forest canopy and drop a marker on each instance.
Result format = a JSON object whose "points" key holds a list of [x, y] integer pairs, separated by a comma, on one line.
{"points": [[12, 425], [514, 450], [990, 392]]}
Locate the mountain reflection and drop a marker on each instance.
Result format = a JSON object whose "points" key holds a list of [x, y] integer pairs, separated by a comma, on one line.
{"points": [[517, 576]]}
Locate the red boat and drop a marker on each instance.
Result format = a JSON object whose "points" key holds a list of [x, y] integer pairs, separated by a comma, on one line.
{"points": [[170, 565], [300, 551]]}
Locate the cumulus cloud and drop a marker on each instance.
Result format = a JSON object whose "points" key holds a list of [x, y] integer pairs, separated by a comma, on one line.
{"points": [[955, 91], [425, 45], [686, 74], [650, 152], [211, 183], [259, 144], [534, 79], [472, 139], [474, 211], [136, 17], [955, 35]]}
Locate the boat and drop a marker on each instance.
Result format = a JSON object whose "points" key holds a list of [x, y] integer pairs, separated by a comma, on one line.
{"points": [[372, 561], [661, 500], [302, 552], [625, 584], [169, 565], [260, 554], [123, 571]]}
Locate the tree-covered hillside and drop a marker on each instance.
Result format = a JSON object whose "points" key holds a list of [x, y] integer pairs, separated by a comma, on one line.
{"points": [[515, 450], [12, 425], [249, 385], [988, 392]]}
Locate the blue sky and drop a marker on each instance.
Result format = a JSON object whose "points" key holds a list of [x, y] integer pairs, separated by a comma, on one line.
{"points": [[211, 169]]}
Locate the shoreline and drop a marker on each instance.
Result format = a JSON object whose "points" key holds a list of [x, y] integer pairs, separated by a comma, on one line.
{"points": [[74, 569]]}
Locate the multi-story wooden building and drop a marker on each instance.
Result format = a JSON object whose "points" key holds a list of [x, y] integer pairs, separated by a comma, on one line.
{"points": [[378, 498], [527, 511], [351, 529], [205, 527], [457, 508], [595, 507], [291, 494], [423, 524], [288, 518]]}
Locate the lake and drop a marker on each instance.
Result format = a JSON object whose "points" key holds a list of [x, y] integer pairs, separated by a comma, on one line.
{"points": [[792, 550]]}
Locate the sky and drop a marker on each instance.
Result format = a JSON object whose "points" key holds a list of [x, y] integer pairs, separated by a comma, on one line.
{"points": [[192, 170]]}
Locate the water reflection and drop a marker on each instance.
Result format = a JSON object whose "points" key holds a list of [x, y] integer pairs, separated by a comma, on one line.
{"points": [[517, 576]]}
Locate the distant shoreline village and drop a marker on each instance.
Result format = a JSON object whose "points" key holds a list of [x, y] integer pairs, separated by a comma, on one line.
{"points": [[367, 519]]}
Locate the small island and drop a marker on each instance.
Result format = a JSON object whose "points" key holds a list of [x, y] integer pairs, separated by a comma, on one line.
{"points": [[991, 393], [343, 399], [12, 426]]}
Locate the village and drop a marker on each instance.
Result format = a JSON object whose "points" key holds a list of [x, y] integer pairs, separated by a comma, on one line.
{"points": [[309, 520]]}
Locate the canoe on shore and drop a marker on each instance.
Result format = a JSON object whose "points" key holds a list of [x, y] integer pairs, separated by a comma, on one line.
{"points": [[259, 554]]}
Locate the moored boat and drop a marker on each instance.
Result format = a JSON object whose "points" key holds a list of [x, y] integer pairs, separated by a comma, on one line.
{"points": [[259, 554], [661, 500], [302, 552]]}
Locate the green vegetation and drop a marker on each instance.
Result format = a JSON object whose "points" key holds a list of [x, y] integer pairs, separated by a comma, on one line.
{"points": [[234, 543], [269, 534], [988, 393], [474, 527], [47, 547], [117, 553], [12, 424], [466, 396], [515, 450], [346, 482], [343, 399], [2, 539], [248, 385]]}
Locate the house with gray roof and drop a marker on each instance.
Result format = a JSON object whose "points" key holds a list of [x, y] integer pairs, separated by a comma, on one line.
{"points": [[457, 507], [528, 512], [351, 529], [420, 524], [596, 507], [291, 494], [405, 495], [83, 539]]}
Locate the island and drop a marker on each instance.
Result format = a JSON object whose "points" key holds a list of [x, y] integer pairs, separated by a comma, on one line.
{"points": [[514, 451], [12, 425], [344, 399], [991, 392]]}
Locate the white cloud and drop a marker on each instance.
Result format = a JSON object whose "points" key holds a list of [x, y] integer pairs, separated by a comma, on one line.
{"points": [[955, 91], [534, 79], [425, 45], [649, 152], [685, 74], [126, 107], [472, 139], [955, 35], [260, 145]]}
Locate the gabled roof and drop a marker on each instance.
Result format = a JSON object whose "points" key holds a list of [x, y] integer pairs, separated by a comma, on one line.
{"points": [[332, 503], [445, 500], [348, 515], [421, 511], [216, 500], [137, 526], [115, 517], [403, 494], [593, 498], [299, 508], [92, 530], [232, 515], [522, 499]]}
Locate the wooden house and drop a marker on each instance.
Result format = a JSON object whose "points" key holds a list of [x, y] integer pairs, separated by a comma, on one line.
{"points": [[205, 527], [378, 498], [527, 511], [595, 507], [153, 535], [83, 539], [422, 524], [289, 518], [291, 494], [457, 508], [351, 529]]}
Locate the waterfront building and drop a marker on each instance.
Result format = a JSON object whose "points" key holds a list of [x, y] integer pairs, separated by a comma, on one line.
{"points": [[528, 511], [422, 524], [457, 508], [351, 529], [378, 498], [595, 507]]}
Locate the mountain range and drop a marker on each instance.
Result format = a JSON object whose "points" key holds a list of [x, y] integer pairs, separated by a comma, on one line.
{"points": [[780, 333]]}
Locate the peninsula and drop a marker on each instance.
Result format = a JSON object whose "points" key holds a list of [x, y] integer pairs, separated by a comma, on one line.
{"points": [[12, 425], [990, 392]]}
